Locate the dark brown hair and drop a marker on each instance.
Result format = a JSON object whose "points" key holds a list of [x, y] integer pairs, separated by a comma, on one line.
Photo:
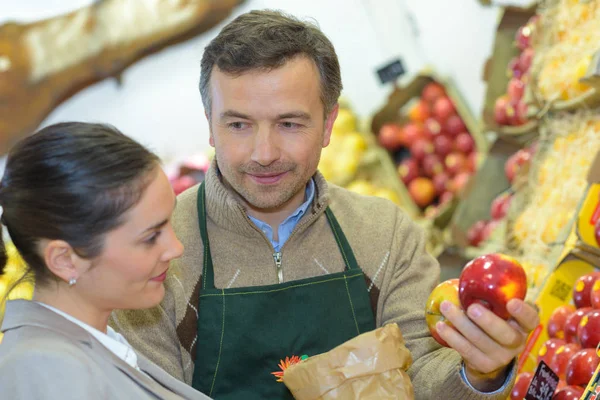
{"points": [[266, 40], [73, 182]]}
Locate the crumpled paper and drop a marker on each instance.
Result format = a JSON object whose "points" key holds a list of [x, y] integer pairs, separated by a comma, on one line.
{"points": [[371, 366]]}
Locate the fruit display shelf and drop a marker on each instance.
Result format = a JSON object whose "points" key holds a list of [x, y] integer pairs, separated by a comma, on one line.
{"points": [[434, 141]]}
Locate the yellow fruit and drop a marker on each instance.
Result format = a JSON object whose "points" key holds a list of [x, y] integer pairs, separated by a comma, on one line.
{"points": [[361, 186], [555, 225], [345, 121], [388, 194], [354, 142]]}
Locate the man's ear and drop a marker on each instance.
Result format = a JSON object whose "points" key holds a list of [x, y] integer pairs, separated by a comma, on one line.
{"points": [[331, 117]]}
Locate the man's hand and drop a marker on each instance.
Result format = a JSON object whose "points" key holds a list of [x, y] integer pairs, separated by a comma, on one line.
{"points": [[487, 343]]}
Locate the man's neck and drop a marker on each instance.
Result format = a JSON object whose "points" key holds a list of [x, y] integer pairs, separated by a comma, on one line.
{"points": [[274, 217]]}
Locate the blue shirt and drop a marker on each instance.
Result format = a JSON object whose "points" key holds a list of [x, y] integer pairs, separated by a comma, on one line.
{"points": [[287, 226]]}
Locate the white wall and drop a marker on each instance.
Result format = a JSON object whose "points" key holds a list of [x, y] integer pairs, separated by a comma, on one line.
{"points": [[159, 103]]}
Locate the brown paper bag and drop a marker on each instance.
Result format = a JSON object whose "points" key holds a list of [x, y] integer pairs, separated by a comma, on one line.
{"points": [[370, 366]]}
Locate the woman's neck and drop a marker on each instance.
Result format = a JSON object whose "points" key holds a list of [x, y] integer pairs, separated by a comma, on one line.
{"points": [[66, 300]]}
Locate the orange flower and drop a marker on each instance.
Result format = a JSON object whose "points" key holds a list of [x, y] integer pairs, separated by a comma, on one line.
{"points": [[285, 364]]}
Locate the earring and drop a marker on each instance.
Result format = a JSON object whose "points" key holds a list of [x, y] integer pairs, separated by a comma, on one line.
{"points": [[72, 281]]}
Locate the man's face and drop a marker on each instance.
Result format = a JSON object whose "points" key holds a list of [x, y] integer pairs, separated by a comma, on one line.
{"points": [[268, 130]]}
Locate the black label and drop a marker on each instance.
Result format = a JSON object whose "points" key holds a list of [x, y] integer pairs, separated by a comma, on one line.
{"points": [[543, 384], [391, 71]]}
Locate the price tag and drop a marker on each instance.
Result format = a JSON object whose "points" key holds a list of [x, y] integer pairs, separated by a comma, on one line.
{"points": [[543, 384], [391, 71]]}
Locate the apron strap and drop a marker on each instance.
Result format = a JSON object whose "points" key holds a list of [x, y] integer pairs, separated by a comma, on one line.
{"points": [[208, 274]]}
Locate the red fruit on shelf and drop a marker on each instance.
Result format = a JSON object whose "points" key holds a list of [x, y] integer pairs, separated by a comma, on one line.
{"points": [[521, 385], [420, 148], [475, 233], [523, 37], [491, 281], [501, 114], [422, 191], [432, 91], [455, 163], [558, 319], [419, 112], [445, 291], [549, 349], [583, 289], [595, 293], [588, 331], [581, 367], [464, 143], [408, 170], [443, 109], [411, 133], [572, 323], [560, 359], [516, 89], [514, 68], [521, 110], [440, 182], [526, 59], [432, 165], [432, 127], [500, 206], [390, 137], [569, 393], [442, 145], [454, 126], [515, 163]]}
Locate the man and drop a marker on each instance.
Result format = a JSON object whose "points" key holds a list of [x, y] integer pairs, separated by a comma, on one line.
{"points": [[271, 266]]}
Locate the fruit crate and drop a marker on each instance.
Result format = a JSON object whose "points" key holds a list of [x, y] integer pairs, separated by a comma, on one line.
{"points": [[399, 112], [497, 75]]}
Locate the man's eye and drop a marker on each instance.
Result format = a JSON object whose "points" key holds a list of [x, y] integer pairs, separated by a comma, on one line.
{"points": [[238, 126], [290, 125]]}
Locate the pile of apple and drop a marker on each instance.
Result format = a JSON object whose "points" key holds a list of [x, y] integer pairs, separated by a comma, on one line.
{"points": [[188, 173], [510, 109], [481, 230], [574, 333], [490, 280], [442, 154]]}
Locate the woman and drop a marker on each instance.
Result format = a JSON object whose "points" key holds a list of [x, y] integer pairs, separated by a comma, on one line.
{"points": [[89, 211]]}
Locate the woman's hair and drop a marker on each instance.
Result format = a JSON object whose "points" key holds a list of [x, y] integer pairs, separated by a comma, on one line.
{"points": [[74, 182]]}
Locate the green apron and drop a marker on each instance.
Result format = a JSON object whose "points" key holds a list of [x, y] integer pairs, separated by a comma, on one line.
{"points": [[243, 333]]}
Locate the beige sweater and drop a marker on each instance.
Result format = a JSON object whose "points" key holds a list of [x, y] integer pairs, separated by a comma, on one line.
{"points": [[389, 247]]}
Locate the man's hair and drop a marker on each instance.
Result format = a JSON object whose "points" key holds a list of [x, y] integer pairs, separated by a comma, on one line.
{"points": [[266, 40]]}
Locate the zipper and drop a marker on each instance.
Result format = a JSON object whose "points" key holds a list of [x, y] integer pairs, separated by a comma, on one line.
{"points": [[277, 258]]}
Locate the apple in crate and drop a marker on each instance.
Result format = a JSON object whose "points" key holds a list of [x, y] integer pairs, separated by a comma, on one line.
{"points": [[442, 145], [440, 183], [408, 170], [412, 132], [521, 386], [455, 163], [558, 319], [569, 393], [464, 143], [432, 128], [561, 358], [583, 289], [390, 137], [447, 290], [420, 148], [422, 191], [581, 367], [432, 91], [454, 126], [443, 108], [549, 349], [588, 331], [419, 112], [572, 323], [432, 165], [492, 280]]}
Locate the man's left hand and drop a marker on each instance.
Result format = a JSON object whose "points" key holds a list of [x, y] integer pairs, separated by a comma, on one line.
{"points": [[487, 343]]}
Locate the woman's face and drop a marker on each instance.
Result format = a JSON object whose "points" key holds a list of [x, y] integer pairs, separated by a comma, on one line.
{"points": [[130, 271]]}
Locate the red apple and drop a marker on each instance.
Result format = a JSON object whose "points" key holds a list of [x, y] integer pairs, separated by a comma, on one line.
{"points": [[419, 112], [464, 143], [583, 289], [501, 115], [390, 137], [440, 182], [443, 108], [408, 170], [521, 109], [561, 384], [500, 205], [515, 90], [526, 59], [572, 323], [560, 359], [588, 331], [411, 133], [581, 367], [549, 349], [474, 234], [432, 128], [432, 165], [521, 386], [523, 37], [557, 320], [422, 191], [514, 68], [447, 290], [455, 163], [595, 294], [454, 126], [515, 163], [492, 280], [420, 148], [569, 393], [446, 197], [459, 182], [442, 145], [432, 91]]}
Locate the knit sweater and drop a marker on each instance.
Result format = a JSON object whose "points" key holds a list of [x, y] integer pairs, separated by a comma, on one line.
{"points": [[389, 248]]}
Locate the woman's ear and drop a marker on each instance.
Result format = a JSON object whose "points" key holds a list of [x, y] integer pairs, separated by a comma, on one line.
{"points": [[62, 260]]}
